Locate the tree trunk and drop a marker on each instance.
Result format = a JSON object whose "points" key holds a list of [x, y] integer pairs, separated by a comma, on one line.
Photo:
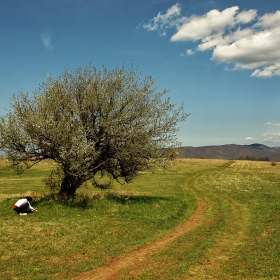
{"points": [[69, 185]]}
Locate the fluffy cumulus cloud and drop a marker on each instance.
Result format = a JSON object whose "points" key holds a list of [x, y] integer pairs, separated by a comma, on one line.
{"points": [[197, 28], [239, 37]]}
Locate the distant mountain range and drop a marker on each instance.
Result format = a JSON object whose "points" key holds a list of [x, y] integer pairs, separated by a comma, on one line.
{"points": [[232, 151]]}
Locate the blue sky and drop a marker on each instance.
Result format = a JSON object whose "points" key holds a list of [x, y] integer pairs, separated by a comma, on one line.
{"points": [[220, 58]]}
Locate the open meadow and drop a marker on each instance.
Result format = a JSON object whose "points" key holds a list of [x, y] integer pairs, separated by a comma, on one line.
{"points": [[198, 219]]}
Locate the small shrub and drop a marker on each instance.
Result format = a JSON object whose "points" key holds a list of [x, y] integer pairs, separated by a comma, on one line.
{"points": [[273, 163]]}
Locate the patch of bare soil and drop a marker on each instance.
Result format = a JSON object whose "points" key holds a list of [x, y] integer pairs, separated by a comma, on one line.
{"points": [[141, 254]]}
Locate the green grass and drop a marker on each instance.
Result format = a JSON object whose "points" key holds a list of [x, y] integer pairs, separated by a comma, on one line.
{"points": [[67, 237], [238, 239]]}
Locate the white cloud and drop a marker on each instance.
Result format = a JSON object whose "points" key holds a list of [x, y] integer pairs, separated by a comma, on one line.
{"points": [[46, 38], [164, 20], [252, 51], [271, 137], [215, 40], [188, 52], [198, 28], [271, 20], [273, 124], [253, 47], [272, 70], [246, 16]]}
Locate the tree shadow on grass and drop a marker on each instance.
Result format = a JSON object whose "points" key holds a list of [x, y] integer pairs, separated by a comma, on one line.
{"points": [[87, 202]]}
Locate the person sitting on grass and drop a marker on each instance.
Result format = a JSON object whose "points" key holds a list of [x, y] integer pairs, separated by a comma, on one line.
{"points": [[23, 206]]}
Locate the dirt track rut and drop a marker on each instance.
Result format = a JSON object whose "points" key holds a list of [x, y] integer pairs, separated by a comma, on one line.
{"points": [[138, 255]]}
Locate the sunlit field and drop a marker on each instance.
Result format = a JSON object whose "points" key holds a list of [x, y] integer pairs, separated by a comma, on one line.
{"points": [[238, 238]]}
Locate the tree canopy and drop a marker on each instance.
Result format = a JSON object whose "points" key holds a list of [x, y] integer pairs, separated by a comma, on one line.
{"points": [[90, 122]]}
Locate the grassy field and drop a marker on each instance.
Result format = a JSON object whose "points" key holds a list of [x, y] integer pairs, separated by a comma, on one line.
{"points": [[238, 239]]}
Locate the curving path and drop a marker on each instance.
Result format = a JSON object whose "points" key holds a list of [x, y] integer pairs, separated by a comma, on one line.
{"points": [[141, 254], [224, 247]]}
